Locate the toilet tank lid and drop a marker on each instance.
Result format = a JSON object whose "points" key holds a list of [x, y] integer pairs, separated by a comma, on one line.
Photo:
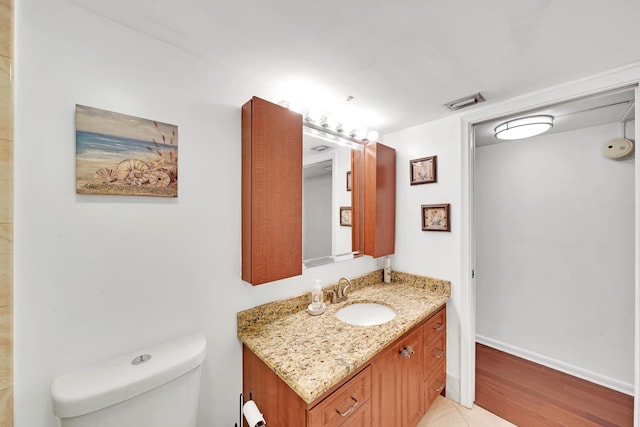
{"points": [[95, 387]]}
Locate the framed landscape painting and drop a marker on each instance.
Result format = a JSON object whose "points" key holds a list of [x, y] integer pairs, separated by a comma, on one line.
{"points": [[117, 154]]}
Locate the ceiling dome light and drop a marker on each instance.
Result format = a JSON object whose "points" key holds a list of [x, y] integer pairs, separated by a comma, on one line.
{"points": [[524, 127]]}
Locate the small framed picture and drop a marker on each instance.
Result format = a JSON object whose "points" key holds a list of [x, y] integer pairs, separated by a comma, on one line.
{"points": [[424, 170], [348, 180], [345, 216], [435, 217]]}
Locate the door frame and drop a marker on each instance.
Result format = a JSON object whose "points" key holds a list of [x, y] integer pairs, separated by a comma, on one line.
{"points": [[623, 77]]}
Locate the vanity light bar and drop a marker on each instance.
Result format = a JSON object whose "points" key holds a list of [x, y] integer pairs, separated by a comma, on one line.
{"points": [[325, 125], [330, 132]]}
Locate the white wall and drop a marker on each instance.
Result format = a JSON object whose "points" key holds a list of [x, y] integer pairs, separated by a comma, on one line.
{"points": [[430, 253], [555, 253], [96, 276]]}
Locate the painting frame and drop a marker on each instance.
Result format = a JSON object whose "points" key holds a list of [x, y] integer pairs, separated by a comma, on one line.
{"points": [[436, 217], [345, 216], [423, 170], [349, 181], [123, 155]]}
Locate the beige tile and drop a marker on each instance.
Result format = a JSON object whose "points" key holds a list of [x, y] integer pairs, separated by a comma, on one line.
{"points": [[445, 412], [6, 100], [6, 181], [6, 264], [6, 28], [442, 413]]}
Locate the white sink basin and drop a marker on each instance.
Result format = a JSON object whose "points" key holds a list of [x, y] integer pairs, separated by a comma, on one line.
{"points": [[366, 314]]}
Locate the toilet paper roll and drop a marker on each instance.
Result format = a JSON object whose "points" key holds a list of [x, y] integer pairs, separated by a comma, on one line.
{"points": [[253, 415]]}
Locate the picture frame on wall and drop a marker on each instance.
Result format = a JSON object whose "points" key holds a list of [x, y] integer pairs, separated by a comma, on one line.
{"points": [[435, 217], [345, 216], [123, 155], [348, 180], [423, 170]]}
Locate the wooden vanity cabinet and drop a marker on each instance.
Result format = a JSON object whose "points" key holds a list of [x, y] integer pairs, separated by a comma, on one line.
{"points": [[347, 405], [396, 388], [271, 192], [379, 200]]}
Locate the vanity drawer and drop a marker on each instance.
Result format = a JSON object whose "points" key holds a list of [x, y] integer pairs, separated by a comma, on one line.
{"points": [[435, 385], [435, 353], [436, 325], [345, 406]]}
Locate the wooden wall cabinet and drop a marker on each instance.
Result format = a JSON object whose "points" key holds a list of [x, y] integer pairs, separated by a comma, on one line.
{"points": [[271, 192], [393, 389], [379, 200]]}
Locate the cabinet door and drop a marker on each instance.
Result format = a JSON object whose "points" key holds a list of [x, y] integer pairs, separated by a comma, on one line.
{"points": [[379, 200], [387, 390], [271, 192], [398, 384], [412, 370]]}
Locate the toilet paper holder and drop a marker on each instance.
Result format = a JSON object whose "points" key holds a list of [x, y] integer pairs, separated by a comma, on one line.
{"points": [[250, 411]]}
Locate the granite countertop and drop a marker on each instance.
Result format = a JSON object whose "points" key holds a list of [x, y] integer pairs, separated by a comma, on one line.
{"points": [[313, 353]]}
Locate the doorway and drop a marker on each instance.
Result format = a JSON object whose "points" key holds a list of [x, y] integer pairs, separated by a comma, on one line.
{"points": [[552, 272]]}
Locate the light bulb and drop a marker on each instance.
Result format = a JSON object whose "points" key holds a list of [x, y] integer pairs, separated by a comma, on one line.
{"points": [[373, 136]]}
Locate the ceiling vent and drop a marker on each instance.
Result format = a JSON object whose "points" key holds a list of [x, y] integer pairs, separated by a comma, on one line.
{"points": [[320, 148], [465, 102]]}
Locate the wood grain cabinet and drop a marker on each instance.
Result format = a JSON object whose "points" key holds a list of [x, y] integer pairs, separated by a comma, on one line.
{"points": [[399, 384], [379, 200], [347, 406], [395, 388], [435, 339], [271, 192]]}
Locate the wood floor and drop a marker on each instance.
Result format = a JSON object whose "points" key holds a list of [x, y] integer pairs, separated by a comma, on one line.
{"points": [[528, 394]]}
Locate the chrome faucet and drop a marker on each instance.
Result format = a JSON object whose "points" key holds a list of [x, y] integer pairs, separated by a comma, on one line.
{"points": [[341, 294]]}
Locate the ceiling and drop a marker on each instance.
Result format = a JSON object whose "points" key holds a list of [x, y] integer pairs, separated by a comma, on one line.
{"points": [[400, 60]]}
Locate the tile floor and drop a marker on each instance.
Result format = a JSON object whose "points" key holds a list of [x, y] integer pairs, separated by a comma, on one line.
{"points": [[446, 413]]}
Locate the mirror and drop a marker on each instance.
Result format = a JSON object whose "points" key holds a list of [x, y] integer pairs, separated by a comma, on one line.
{"points": [[329, 207]]}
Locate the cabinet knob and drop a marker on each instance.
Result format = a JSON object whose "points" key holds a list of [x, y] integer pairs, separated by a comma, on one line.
{"points": [[439, 327], [407, 352]]}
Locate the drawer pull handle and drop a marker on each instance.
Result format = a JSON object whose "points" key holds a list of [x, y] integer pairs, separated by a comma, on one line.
{"points": [[350, 410], [439, 327], [439, 355], [407, 352], [439, 388]]}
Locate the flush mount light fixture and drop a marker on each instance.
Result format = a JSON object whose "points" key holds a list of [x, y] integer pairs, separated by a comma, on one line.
{"points": [[524, 127]]}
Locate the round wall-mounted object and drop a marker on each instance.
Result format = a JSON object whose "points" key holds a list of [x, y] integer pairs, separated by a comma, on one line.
{"points": [[618, 148]]}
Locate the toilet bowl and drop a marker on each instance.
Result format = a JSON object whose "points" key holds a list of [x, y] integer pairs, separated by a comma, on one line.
{"points": [[157, 386]]}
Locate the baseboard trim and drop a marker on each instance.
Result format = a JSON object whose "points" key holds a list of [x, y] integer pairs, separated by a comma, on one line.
{"points": [[567, 368]]}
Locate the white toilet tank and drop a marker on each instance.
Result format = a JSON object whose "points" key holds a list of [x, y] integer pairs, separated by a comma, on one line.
{"points": [[135, 389]]}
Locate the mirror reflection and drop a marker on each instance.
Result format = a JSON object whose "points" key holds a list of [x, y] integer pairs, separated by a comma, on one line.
{"points": [[326, 235]]}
